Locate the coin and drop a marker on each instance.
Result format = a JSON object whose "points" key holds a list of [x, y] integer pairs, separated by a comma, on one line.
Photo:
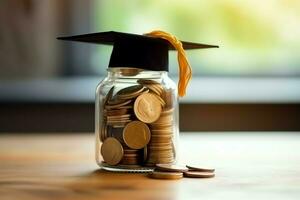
{"points": [[118, 134], [147, 81], [168, 96], [115, 112], [145, 154], [160, 148], [154, 89], [103, 133], [129, 71], [112, 151], [136, 135], [196, 174], [199, 169], [109, 95], [147, 108], [127, 150], [117, 103], [162, 132], [130, 92], [145, 142], [162, 102], [171, 168], [166, 175], [161, 155], [130, 162]]}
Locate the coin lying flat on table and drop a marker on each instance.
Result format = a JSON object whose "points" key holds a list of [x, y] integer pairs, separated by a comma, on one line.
{"points": [[171, 168], [147, 107], [112, 151], [166, 175], [196, 174], [199, 169], [136, 135]]}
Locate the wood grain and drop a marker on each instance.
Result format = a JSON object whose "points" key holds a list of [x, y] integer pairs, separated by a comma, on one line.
{"points": [[248, 166]]}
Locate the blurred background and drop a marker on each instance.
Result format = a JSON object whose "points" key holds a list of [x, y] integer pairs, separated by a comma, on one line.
{"points": [[256, 38], [253, 75]]}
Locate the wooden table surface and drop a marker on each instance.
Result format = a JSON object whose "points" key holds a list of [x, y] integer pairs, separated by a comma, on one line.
{"points": [[260, 165]]}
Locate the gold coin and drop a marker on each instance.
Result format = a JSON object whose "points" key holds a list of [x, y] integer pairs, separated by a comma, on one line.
{"points": [[168, 126], [168, 96], [145, 154], [125, 116], [161, 161], [131, 156], [115, 112], [167, 111], [127, 71], [160, 151], [158, 88], [130, 150], [115, 101], [197, 174], [136, 135], [160, 148], [162, 102], [158, 140], [199, 169], [162, 124], [171, 168], [147, 108], [169, 143], [103, 134], [166, 175], [161, 154], [130, 92], [130, 160], [154, 89], [109, 95], [161, 136], [162, 132], [164, 119], [117, 104], [147, 81], [166, 158], [112, 151]]}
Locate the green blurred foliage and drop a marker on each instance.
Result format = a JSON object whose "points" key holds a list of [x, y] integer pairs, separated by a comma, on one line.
{"points": [[255, 37]]}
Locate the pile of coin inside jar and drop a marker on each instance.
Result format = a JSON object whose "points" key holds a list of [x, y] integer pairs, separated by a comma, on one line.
{"points": [[137, 126]]}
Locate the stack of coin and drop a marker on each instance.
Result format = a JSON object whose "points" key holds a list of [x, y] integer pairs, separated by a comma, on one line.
{"points": [[131, 157], [161, 147], [139, 118], [168, 97], [153, 86]]}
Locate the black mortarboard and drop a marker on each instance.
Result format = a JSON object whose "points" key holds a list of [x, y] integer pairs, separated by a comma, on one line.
{"points": [[131, 50]]}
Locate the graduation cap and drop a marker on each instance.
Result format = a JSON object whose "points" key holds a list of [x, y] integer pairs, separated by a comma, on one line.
{"points": [[138, 51]]}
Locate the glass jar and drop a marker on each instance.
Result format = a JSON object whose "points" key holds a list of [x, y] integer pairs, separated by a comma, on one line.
{"points": [[136, 120]]}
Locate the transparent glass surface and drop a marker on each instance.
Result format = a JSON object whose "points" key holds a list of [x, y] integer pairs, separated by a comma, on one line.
{"points": [[116, 106]]}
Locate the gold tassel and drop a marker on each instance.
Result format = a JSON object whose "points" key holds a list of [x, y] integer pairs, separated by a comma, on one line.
{"points": [[185, 71]]}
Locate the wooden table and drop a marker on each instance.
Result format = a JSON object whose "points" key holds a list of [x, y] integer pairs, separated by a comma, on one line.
{"points": [[261, 165]]}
